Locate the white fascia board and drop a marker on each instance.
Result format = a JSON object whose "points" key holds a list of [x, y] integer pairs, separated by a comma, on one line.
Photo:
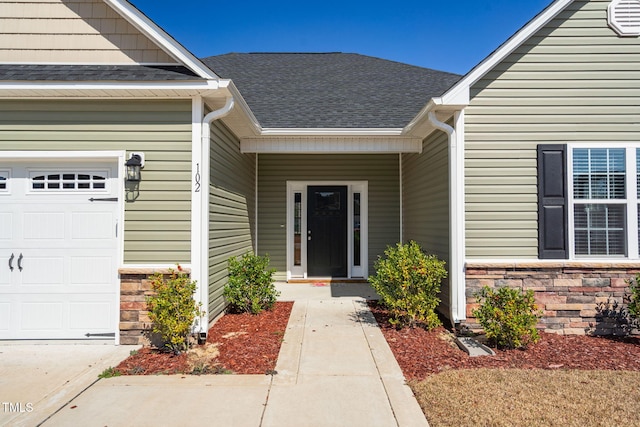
{"points": [[459, 93], [148, 64], [332, 132], [162, 38], [416, 126], [422, 115], [106, 86]]}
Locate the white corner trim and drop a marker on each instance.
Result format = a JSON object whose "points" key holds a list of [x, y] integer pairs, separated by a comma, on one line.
{"points": [[198, 190], [456, 140], [459, 93], [159, 36]]}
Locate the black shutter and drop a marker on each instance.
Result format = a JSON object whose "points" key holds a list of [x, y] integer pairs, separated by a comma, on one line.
{"points": [[553, 241]]}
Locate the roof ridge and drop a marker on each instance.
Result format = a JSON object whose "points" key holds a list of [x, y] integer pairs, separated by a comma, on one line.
{"points": [[290, 53]]}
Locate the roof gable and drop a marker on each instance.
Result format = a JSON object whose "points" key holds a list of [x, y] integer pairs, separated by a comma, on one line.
{"points": [[87, 32], [72, 31], [458, 94], [330, 90]]}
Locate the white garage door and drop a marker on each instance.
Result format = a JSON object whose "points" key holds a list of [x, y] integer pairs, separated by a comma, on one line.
{"points": [[58, 249]]}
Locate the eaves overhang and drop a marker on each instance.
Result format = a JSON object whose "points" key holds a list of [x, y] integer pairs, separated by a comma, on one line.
{"points": [[420, 126], [52, 89]]}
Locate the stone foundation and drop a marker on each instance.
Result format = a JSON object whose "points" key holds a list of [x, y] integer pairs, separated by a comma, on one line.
{"points": [[566, 292], [135, 287]]}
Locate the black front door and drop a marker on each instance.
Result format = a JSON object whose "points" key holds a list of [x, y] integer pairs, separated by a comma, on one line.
{"points": [[327, 231]]}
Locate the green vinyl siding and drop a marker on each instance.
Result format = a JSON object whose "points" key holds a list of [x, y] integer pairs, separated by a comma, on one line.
{"points": [[274, 170], [231, 209], [157, 222], [425, 195], [573, 81]]}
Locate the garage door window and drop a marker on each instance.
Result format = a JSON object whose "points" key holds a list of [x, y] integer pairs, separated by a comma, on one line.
{"points": [[4, 181], [68, 181]]}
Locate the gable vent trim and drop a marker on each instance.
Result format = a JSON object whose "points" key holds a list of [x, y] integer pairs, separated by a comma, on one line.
{"points": [[624, 17]]}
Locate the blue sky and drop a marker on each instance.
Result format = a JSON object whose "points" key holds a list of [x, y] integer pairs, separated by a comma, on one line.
{"points": [[441, 34]]}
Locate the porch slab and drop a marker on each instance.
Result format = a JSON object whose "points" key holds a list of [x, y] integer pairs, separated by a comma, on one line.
{"points": [[323, 290]]}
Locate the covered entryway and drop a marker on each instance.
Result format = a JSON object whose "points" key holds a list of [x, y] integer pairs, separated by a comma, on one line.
{"points": [[58, 249]]}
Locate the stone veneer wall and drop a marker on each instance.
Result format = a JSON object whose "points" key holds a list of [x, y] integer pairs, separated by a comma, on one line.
{"points": [[566, 292], [135, 286]]}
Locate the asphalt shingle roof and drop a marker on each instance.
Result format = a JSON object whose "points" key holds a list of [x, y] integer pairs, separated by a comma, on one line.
{"points": [[84, 73], [330, 90]]}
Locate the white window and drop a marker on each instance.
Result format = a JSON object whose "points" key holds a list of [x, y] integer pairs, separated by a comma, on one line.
{"points": [[604, 201]]}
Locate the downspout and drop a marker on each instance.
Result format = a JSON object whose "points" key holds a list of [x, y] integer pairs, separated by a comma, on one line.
{"points": [[205, 181], [401, 199], [456, 213]]}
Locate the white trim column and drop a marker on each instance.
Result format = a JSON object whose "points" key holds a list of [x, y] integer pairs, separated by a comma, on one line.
{"points": [[458, 235], [199, 191]]}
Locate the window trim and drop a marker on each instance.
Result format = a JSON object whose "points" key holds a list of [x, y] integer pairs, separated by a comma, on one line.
{"points": [[630, 201]]}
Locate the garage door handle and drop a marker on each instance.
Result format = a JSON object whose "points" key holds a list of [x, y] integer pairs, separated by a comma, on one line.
{"points": [[20, 262], [11, 262]]}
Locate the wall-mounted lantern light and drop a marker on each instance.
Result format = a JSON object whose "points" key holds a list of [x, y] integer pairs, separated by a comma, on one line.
{"points": [[134, 165]]}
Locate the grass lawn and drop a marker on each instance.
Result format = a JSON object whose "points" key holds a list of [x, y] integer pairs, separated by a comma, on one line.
{"points": [[530, 397]]}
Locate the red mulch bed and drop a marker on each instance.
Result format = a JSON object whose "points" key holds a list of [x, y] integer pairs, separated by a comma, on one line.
{"points": [[248, 344], [421, 353]]}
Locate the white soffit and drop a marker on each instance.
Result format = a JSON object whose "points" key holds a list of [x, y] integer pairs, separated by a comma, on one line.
{"points": [[328, 145], [161, 38], [623, 17]]}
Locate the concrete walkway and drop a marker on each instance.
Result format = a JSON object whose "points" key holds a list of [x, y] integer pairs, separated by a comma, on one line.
{"points": [[334, 369]]}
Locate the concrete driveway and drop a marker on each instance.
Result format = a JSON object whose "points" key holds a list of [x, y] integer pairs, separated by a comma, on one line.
{"points": [[38, 379]]}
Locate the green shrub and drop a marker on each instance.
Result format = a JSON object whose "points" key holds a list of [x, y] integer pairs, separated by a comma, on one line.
{"points": [[508, 316], [612, 318], [408, 282], [619, 318], [633, 300], [172, 309], [251, 287]]}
